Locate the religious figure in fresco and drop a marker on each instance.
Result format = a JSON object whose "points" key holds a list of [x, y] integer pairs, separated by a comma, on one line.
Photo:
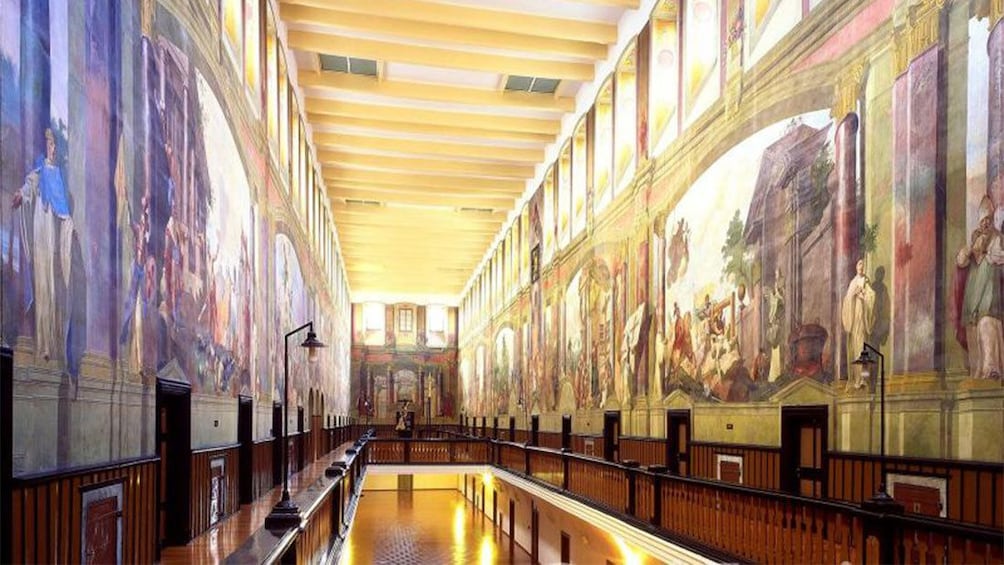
{"points": [[683, 346], [775, 325], [979, 312], [858, 316], [52, 236], [678, 253]]}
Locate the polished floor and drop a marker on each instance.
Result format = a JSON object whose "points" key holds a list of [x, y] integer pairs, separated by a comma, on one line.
{"points": [[427, 527], [216, 544]]}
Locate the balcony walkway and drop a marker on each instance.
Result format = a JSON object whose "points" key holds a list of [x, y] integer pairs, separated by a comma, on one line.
{"points": [[214, 545]]}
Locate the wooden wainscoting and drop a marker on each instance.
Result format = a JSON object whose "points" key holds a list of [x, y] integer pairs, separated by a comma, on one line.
{"points": [[261, 467], [47, 512], [644, 450], [975, 490], [204, 469], [761, 466], [550, 440]]}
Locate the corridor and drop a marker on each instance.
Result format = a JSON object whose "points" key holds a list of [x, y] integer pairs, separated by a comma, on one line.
{"points": [[424, 527]]}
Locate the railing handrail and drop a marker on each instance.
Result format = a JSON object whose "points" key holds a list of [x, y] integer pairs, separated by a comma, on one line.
{"points": [[973, 531]]}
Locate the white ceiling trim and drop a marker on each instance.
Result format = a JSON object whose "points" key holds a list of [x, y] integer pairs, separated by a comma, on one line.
{"points": [[409, 136], [508, 111], [450, 45], [568, 9]]}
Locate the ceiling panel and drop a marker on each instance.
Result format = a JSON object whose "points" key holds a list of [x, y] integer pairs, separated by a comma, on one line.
{"points": [[425, 162]]}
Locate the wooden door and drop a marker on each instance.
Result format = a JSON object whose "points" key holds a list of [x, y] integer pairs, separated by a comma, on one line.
{"points": [[245, 437], [301, 443], [277, 447], [512, 526], [678, 442], [174, 448], [534, 534], [566, 431], [611, 435], [317, 436], [6, 448], [803, 450]]}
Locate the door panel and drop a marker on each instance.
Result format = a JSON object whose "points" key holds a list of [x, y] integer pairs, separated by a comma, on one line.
{"points": [[244, 433], [803, 448], [611, 435], [678, 441]]}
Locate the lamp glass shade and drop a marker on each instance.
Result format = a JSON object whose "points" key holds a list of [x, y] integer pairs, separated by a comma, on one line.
{"points": [[865, 359], [313, 345]]}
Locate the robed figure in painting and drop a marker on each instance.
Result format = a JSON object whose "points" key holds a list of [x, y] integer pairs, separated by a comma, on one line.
{"points": [[980, 296], [858, 317], [52, 236]]}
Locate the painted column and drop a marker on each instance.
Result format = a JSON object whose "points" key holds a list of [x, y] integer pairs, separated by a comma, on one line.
{"points": [[918, 193], [846, 228], [995, 141]]}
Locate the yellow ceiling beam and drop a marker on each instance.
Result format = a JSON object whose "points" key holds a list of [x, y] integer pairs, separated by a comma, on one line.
{"points": [[433, 117], [385, 193], [441, 246], [398, 163], [419, 213], [478, 18], [436, 56], [438, 286], [393, 127], [429, 258], [418, 225], [629, 4], [358, 84], [431, 31], [434, 183], [363, 142]]}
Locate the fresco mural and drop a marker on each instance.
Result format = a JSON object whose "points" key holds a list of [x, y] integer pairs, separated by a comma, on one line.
{"points": [[765, 265], [505, 373], [290, 312], [731, 319], [133, 239]]}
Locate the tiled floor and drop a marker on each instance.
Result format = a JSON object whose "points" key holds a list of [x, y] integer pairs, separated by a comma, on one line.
{"points": [[431, 527], [216, 544]]}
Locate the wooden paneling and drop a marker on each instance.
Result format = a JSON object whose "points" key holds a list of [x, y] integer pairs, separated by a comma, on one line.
{"points": [[646, 451], [974, 490], [761, 465], [47, 512], [201, 489], [261, 468], [550, 440]]}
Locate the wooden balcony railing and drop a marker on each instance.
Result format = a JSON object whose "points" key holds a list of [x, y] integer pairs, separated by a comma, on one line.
{"points": [[721, 520], [324, 507]]}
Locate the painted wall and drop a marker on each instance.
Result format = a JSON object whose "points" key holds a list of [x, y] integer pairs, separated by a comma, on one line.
{"points": [[404, 353], [146, 232], [847, 194]]}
